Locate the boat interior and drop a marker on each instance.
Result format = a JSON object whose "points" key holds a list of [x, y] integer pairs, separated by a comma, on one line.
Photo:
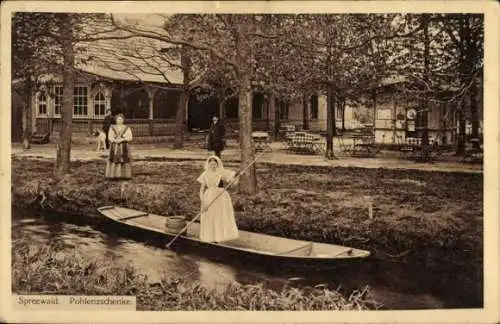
{"points": [[248, 241]]}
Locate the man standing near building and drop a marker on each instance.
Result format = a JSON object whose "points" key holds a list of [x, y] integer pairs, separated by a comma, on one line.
{"points": [[108, 121], [216, 137]]}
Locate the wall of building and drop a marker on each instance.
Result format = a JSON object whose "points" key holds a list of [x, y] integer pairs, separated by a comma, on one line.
{"points": [[147, 102], [392, 124], [319, 124]]}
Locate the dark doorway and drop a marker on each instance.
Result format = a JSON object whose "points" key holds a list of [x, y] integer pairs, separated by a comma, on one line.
{"points": [[200, 111], [132, 101], [232, 108]]}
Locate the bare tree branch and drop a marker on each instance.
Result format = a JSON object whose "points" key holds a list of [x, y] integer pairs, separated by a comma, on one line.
{"points": [[167, 39]]}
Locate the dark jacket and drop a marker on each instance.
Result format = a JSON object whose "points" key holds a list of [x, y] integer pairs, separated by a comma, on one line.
{"points": [[106, 124], [216, 137]]}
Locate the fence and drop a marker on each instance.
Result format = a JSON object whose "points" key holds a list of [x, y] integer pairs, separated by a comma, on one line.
{"points": [[139, 127]]}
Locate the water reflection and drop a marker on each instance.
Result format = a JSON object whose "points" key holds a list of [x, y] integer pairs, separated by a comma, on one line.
{"points": [[218, 275], [112, 243], [396, 285]]}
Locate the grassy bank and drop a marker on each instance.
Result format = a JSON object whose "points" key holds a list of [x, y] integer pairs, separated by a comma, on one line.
{"points": [[55, 270], [420, 217]]}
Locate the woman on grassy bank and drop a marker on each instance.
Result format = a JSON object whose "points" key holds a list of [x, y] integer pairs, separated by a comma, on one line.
{"points": [[119, 136], [217, 221]]}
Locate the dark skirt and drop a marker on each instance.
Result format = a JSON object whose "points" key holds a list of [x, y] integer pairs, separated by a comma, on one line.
{"points": [[118, 166]]}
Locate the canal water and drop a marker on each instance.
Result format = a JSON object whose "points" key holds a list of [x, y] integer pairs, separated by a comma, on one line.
{"points": [[396, 285]]}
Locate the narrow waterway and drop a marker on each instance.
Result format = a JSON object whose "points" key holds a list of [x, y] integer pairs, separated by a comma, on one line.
{"points": [[396, 285]]}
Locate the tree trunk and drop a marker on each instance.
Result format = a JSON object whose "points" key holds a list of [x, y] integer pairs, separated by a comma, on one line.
{"points": [[277, 117], [425, 102], [330, 123], [305, 112], [248, 181], [180, 116], [63, 154], [464, 73], [461, 131], [27, 114], [342, 104]]}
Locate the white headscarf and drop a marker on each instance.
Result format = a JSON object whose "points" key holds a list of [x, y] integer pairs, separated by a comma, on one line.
{"points": [[226, 175], [220, 166]]}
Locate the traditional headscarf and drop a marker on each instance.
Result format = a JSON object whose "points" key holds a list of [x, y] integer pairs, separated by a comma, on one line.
{"points": [[220, 166]]}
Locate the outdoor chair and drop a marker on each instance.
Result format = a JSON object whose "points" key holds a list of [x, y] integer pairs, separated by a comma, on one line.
{"points": [[261, 141], [378, 148], [424, 153], [363, 145], [286, 131], [474, 155], [345, 149], [40, 138], [318, 145], [303, 143], [436, 150], [408, 148]]}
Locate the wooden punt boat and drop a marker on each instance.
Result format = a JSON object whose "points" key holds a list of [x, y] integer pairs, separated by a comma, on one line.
{"points": [[271, 247]]}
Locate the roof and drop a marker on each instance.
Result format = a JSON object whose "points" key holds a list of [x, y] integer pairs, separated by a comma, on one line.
{"points": [[134, 59], [174, 76]]}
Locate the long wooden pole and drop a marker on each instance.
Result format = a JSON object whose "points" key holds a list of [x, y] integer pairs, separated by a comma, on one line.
{"points": [[216, 197]]}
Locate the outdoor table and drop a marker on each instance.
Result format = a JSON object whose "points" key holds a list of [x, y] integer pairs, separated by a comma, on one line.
{"points": [[261, 140], [474, 155], [302, 142], [363, 145], [413, 149], [409, 147]]}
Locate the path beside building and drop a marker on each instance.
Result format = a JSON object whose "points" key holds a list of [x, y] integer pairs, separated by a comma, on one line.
{"points": [[276, 156]]}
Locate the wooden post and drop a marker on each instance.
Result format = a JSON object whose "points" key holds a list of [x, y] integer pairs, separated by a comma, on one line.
{"points": [[151, 95]]}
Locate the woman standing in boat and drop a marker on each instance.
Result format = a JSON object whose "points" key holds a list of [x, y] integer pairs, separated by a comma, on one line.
{"points": [[217, 222], [120, 136]]}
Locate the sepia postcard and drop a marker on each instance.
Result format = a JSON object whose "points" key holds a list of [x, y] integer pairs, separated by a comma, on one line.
{"points": [[250, 162]]}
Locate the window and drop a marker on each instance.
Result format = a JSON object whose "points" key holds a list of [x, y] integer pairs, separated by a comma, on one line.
{"points": [[165, 104], [42, 104], [314, 107], [99, 104], [57, 100], [80, 101]]}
